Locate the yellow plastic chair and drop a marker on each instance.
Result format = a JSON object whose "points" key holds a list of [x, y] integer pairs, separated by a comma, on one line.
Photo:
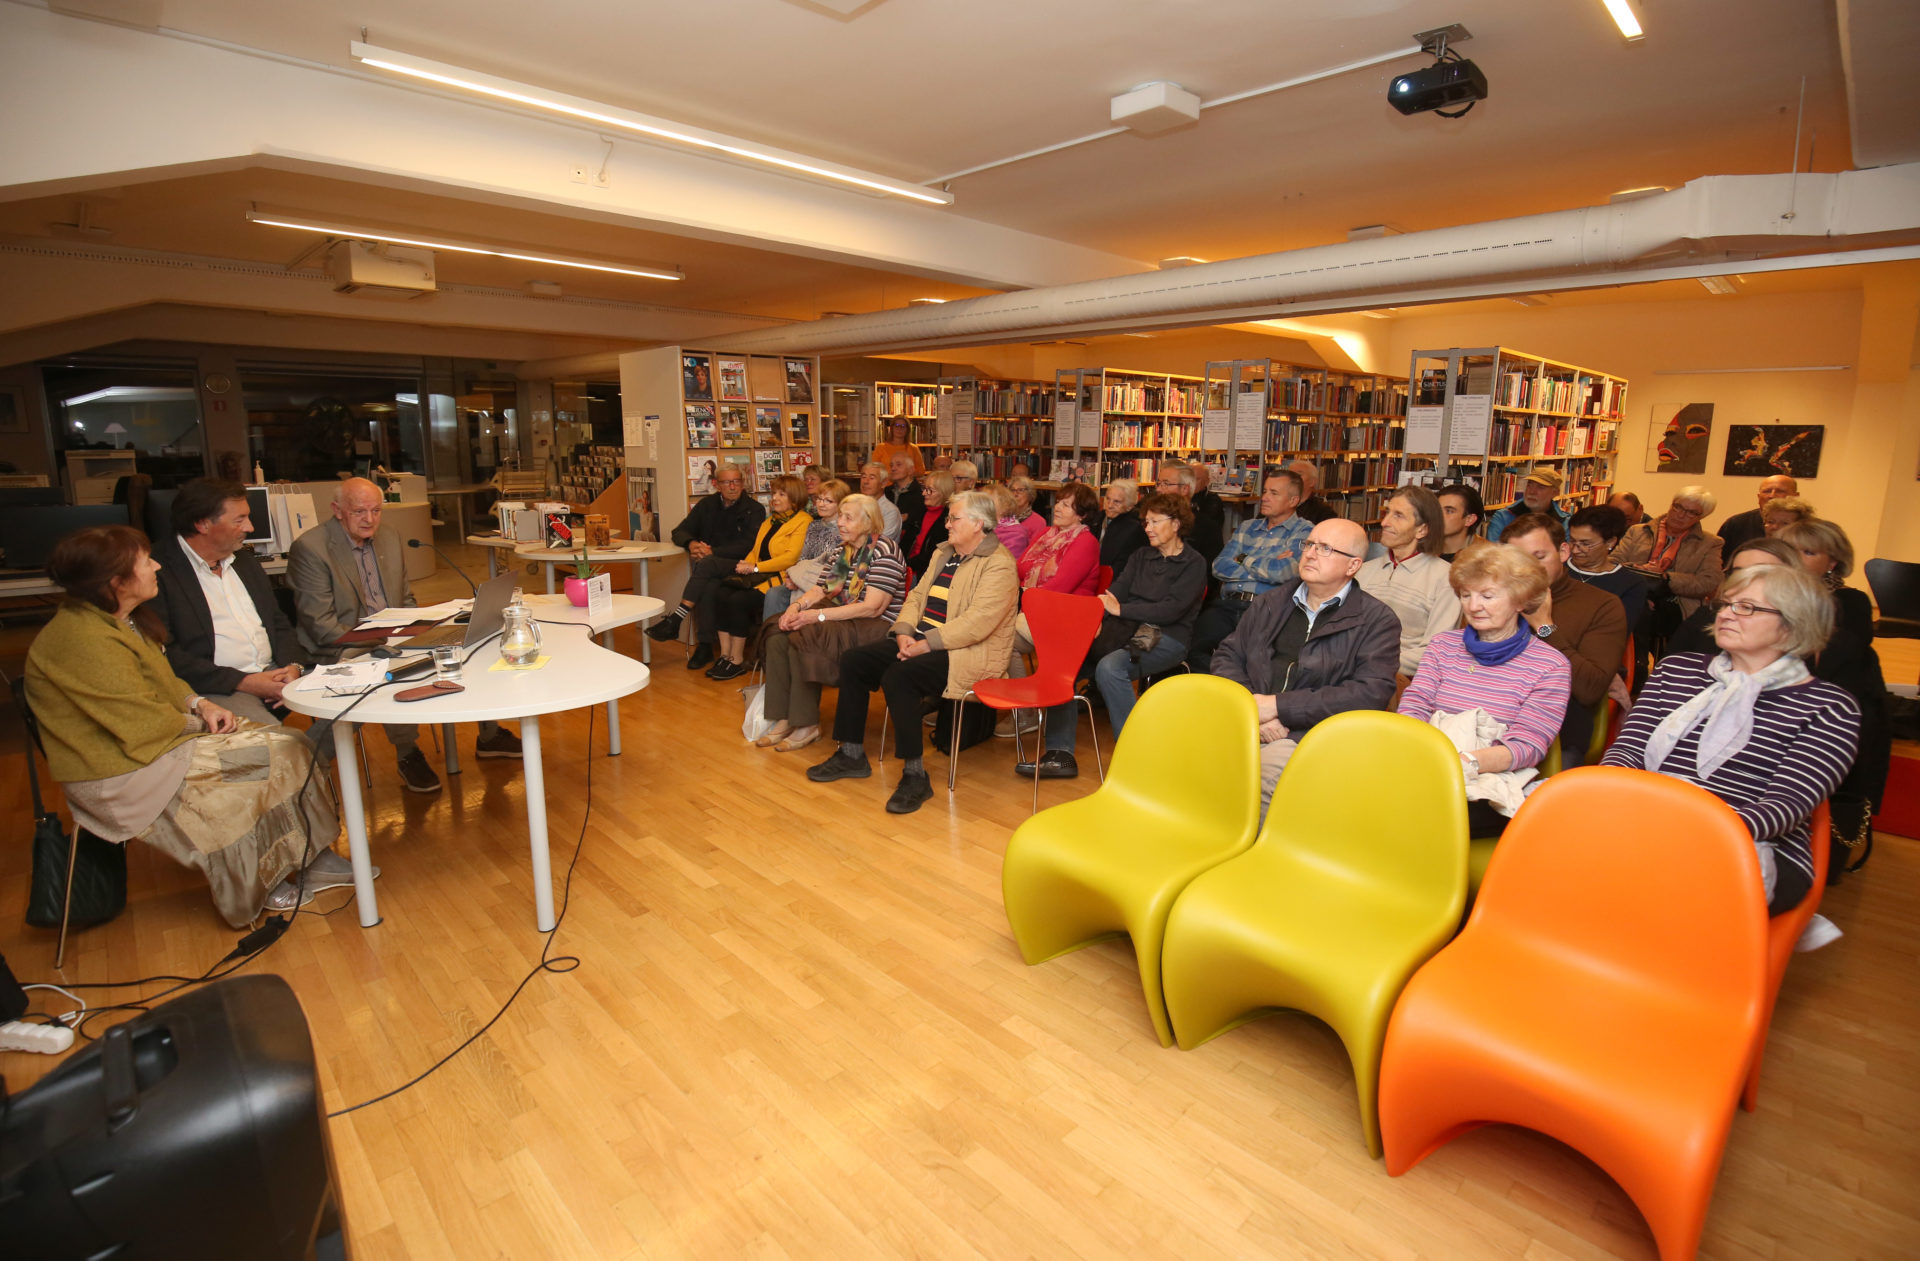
{"points": [[1346, 892], [1183, 796]]}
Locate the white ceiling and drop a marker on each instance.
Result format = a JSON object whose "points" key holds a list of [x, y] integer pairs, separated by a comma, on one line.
{"points": [[915, 88]]}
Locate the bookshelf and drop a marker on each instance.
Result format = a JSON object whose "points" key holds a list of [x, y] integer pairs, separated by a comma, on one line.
{"points": [[861, 414], [996, 423], [1118, 422], [1486, 415], [1350, 425]]}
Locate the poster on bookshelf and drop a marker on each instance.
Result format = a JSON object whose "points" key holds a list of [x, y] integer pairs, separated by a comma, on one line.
{"points": [[1423, 430], [799, 380], [700, 431], [767, 466], [643, 520], [799, 429], [1065, 421], [700, 471], [766, 426], [1216, 426], [734, 430], [1472, 423], [1249, 418], [733, 379], [943, 420], [696, 378], [1679, 439], [1767, 450]]}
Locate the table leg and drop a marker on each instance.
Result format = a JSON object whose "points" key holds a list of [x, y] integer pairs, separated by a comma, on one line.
{"points": [[646, 641], [493, 562], [613, 709], [537, 822], [449, 748], [549, 577], [348, 766]]}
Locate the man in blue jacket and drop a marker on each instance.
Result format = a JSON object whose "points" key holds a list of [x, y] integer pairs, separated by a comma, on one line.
{"points": [[1537, 496]]}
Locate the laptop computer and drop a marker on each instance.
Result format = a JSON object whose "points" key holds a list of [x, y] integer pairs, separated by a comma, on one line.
{"points": [[489, 602]]}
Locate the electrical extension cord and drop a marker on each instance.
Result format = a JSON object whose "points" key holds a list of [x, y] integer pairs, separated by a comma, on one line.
{"points": [[21, 1035]]}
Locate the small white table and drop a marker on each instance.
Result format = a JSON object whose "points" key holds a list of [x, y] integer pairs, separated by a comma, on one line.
{"points": [[578, 673], [635, 554], [627, 610]]}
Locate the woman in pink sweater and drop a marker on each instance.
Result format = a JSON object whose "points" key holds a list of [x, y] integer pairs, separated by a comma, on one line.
{"points": [[1066, 557]]}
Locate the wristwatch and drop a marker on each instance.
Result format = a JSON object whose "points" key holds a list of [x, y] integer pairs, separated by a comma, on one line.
{"points": [[1544, 632], [1472, 764], [819, 617]]}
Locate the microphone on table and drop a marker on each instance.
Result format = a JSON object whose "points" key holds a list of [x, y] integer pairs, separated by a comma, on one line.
{"points": [[471, 585]]}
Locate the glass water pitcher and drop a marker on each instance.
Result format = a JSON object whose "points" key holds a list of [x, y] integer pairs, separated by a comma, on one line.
{"points": [[519, 633]]}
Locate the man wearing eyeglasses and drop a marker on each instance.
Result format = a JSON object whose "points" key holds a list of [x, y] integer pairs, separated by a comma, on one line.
{"points": [[1312, 647], [344, 571], [1587, 625]]}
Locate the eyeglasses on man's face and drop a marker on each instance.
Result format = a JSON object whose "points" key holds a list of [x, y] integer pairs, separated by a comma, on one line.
{"points": [[1314, 547], [1741, 608]]}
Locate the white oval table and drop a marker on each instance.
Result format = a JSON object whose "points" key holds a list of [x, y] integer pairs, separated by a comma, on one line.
{"points": [[578, 672], [623, 551]]}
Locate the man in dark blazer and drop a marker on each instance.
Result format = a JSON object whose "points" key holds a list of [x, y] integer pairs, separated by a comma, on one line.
{"points": [[227, 637], [352, 567]]}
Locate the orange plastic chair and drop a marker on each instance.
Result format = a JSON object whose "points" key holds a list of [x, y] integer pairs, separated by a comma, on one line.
{"points": [[1607, 991], [1783, 932], [1063, 628]]}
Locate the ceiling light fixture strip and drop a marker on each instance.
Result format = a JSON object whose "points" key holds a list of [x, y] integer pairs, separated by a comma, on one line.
{"points": [[458, 247], [640, 124]]}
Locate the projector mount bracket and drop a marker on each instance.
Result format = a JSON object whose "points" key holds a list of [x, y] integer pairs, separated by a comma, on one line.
{"points": [[1436, 44]]}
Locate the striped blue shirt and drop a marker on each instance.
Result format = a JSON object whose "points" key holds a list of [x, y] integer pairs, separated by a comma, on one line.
{"points": [[1803, 742], [1260, 557]]}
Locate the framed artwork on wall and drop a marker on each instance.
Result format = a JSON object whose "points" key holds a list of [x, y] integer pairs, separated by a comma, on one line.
{"points": [[1677, 441], [1764, 450]]}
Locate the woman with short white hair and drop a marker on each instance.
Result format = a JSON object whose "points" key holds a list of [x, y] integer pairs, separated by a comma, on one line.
{"points": [[1679, 555], [1750, 724]]}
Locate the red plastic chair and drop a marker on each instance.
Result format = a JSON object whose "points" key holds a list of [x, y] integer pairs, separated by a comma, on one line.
{"points": [[1063, 628], [1783, 933], [1607, 991], [1103, 579]]}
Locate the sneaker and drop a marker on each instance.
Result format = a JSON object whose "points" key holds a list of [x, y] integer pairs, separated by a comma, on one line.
{"points": [[840, 766], [668, 627], [726, 668], [502, 743], [915, 790], [1054, 764], [701, 657], [1016, 722], [415, 774], [800, 739]]}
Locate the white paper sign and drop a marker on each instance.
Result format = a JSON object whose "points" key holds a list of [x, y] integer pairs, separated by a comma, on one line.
{"points": [[1472, 422], [943, 420], [600, 596], [653, 439], [1087, 426], [633, 430], [1215, 425], [1249, 420], [1065, 414], [1423, 430]]}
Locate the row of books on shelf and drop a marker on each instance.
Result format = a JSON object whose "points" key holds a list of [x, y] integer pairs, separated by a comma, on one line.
{"points": [[1501, 486], [1184, 398], [993, 399], [1326, 435], [1518, 437], [1013, 433], [1586, 396], [727, 426], [905, 400], [997, 465]]}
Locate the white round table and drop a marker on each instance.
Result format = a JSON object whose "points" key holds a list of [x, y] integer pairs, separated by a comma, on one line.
{"points": [[578, 672], [635, 554]]}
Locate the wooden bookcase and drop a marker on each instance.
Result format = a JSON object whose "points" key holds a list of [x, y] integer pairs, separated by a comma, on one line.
{"points": [[860, 416], [996, 423], [1118, 422], [1486, 415]]}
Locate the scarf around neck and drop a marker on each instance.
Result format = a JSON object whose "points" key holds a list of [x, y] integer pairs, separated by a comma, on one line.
{"points": [[1723, 711], [1499, 651], [1042, 559]]}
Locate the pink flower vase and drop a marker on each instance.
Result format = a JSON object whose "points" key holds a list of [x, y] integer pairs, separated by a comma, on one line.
{"points": [[577, 592]]}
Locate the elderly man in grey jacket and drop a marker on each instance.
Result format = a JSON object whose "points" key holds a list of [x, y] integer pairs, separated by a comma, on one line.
{"points": [[1312, 647]]}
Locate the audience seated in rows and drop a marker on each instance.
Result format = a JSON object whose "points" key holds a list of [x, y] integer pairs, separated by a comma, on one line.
{"points": [[718, 532], [1119, 528], [1411, 578], [1585, 624], [937, 491], [1313, 508], [1461, 512], [824, 497], [1750, 723], [140, 756], [1263, 554], [855, 600], [1150, 611], [1313, 646], [353, 566], [1496, 688], [1537, 495], [1745, 527], [1680, 557], [735, 602], [955, 629]]}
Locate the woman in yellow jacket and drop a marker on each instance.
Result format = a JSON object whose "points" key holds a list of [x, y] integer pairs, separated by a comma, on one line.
{"points": [[738, 601]]}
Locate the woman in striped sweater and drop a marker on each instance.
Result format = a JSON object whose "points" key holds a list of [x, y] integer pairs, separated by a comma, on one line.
{"points": [[1496, 663], [1751, 724]]}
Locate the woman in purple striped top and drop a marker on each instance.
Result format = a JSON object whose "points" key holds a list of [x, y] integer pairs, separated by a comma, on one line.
{"points": [[1751, 724], [1495, 663]]}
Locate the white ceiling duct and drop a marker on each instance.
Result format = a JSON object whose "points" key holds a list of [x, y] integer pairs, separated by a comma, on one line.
{"points": [[1717, 218]]}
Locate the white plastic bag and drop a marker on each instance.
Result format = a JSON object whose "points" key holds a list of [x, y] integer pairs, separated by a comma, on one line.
{"points": [[756, 724]]}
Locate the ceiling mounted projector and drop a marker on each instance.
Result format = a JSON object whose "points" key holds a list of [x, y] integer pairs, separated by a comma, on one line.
{"points": [[1450, 81]]}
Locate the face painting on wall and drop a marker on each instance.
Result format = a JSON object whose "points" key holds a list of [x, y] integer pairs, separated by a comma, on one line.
{"points": [[1680, 444]]}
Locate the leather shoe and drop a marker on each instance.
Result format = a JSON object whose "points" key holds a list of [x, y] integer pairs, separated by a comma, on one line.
{"points": [[840, 766], [1054, 764], [726, 668], [914, 790], [667, 627], [701, 657]]}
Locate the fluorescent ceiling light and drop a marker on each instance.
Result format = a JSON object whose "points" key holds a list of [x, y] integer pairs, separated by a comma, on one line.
{"points": [[1719, 285], [636, 123], [926, 301], [132, 394], [303, 224], [1623, 18]]}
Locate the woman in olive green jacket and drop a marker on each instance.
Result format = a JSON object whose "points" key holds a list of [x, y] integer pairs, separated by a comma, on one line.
{"points": [[139, 756]]}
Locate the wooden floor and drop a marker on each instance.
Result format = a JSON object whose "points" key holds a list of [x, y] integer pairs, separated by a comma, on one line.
{"points": [[800, 1029]]}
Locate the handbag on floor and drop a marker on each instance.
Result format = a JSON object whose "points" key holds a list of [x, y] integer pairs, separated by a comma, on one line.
{"points": [[1851, 839], [99, 867]]}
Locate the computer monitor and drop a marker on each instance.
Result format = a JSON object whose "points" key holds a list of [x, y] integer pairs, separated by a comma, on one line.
{"points": [[260, 514], [27, 535]]}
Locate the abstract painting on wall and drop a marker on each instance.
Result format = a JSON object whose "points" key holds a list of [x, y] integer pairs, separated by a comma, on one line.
{"points": [[1679, 445], [1764, 450]]}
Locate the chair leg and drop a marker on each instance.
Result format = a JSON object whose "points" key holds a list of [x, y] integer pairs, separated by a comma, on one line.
{"points": [[885, 714], [66, 905], [1094, 732], [953, 741]]}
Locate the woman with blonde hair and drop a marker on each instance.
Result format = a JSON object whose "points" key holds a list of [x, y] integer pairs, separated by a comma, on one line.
{"points": [[1785, 511]]}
